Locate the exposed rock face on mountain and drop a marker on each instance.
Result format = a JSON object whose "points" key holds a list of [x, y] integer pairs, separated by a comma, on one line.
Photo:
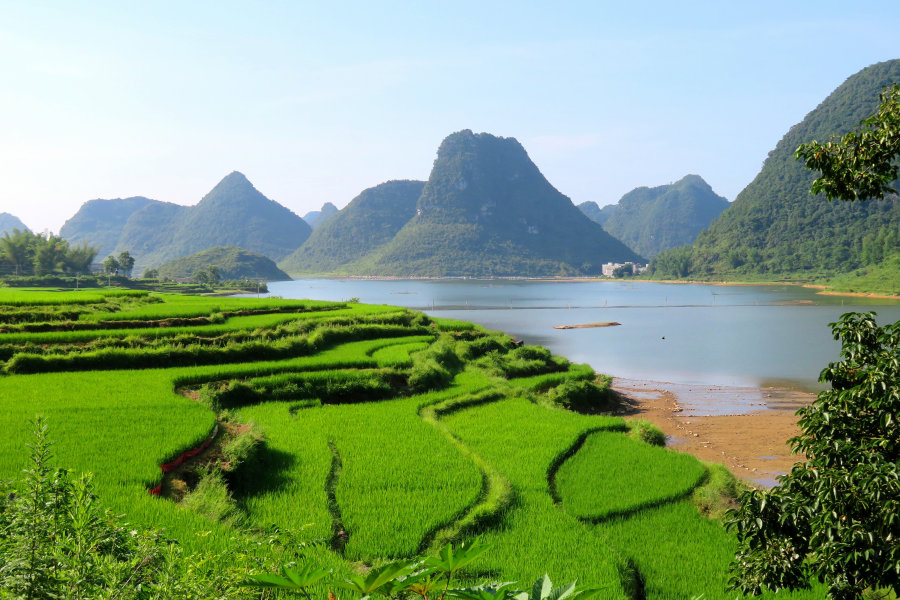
{"points": [[316, 218], [9, 222], [234, 263], [100, 222], [367, 223], [234, 213], [488, 211], [650, 220], [776, 226], [597, 214]]}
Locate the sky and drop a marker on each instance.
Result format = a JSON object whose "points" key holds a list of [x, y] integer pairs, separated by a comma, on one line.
{"points": [[316, 101]]}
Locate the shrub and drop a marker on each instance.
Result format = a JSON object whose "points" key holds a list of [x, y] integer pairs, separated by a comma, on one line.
{"points": [[645, 431], [580, 396]]}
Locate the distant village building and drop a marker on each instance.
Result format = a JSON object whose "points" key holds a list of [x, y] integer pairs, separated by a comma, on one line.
{"points": [[609, 269]]}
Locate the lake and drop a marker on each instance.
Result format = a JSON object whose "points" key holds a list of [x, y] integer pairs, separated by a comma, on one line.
{"points": [[683, 333]]}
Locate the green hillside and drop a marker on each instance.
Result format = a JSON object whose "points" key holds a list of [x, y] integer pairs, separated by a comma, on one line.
{"points": [[369, 221], [595, 213], [234, 263], [776, 228], [234, 213], [316, 218], [100, 222], [9, 222], [488, 211], [650, 220]]}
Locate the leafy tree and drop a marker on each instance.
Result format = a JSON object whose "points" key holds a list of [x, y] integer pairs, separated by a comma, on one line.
{"points": [[15, 249], [151, 274], [861, 164], [126, 261], [213, 274], [111, 265], [836, 517], [623, 271]]}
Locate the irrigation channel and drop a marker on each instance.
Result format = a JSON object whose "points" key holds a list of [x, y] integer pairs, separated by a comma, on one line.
{"points": [[759, 336]]}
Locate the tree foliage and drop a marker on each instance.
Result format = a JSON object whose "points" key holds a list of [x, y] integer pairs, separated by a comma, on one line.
{"points": [[232, 262], [861, 164], [835, 517], [25, 253]]}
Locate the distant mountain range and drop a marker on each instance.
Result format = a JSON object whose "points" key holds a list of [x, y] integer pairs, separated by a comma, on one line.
{"points": [[775, 226], [9, 222], [316, 218], [367, 223], [650, 220], [486, 210], [234, 263], [597, 214], [233, 213]]}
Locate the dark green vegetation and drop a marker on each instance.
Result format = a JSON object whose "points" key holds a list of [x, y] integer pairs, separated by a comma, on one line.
{"points": [[234, 213], [100, 222], [485, 210], [23, 253], [835, 517], [776, 228], [367, 223], [316, 218], [233, 263], [650, 220], [596, 214], [347, 434], [9, 222]]}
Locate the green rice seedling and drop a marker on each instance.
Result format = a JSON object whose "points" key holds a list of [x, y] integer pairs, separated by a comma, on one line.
{"points": [[613, 474], [452, 325], [542, 383], [399, 478], [533, 536], [397, 356]]}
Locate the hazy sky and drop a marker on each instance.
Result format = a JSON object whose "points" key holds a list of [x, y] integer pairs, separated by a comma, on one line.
{"points": [[316, 101]]}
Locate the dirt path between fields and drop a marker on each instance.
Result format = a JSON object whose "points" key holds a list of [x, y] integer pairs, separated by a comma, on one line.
{"points": [[744, 428]]}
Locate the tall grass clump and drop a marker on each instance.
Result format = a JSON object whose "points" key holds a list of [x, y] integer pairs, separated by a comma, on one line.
{"points": [[643, 430]]}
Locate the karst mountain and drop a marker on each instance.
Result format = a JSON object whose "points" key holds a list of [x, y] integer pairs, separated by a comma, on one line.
{"points": [[486, 210], [776, 226], [233, 213]]}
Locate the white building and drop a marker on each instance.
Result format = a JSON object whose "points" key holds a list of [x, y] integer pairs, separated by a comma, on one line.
{"points": [[609, 268]]}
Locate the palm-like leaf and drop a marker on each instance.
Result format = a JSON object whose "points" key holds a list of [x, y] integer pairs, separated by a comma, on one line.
{"points": [[449, 561], [488, 591], [289, 579], [377, 578]]}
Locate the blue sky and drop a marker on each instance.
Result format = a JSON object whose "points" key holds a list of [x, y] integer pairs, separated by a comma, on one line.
{"points": [[316, 101]]}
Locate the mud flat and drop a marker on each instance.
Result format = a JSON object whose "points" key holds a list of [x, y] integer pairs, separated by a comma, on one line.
{"points": [[744, 428]]}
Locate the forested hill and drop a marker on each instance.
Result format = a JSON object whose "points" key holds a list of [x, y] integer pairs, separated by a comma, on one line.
{"points": [[316, 218], [9, 222], [100, 222], [233, 262], [650, 220], [234, 213], [488, 210], [775, 226], [368, 222], [597, 214]]}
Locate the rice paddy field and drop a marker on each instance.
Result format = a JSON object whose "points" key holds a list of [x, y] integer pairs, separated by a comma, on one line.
{"points": [[380, 434]]}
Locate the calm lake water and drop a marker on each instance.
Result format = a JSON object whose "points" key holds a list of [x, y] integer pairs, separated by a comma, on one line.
{"points": [[703, 334]]}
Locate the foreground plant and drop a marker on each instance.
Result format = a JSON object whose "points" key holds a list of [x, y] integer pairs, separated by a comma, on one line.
{"points": [[429, 576], [836, 517]]}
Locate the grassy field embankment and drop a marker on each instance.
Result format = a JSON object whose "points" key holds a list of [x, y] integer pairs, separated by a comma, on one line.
{"points": [[377, 434]]}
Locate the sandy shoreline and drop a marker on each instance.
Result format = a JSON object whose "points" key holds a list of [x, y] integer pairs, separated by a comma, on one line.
{"points": [[745, 428]]}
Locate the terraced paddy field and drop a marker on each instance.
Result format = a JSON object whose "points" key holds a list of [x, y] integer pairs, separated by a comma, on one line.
{"points": [[369, 433]]}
